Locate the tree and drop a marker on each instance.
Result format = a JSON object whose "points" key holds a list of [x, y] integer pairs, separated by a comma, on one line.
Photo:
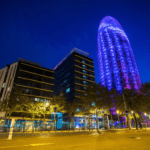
{"points": [[14, 102], [128, 101], [105, 99], [70, 109], [58, 103], [87, 101], [145, 97]]}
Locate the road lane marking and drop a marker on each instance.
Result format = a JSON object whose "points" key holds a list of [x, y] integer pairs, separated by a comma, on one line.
{"points": [[39, 144], [10, 146]]}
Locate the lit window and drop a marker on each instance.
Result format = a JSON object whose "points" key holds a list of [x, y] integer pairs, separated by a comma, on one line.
{"points": [[67, 90], [83, 66], [77, 109], [84, 82], [84, 71], [83, 61], [8, 89], [93, 104], [37, 99], [84, 77], [3, 85], [85, 94]]}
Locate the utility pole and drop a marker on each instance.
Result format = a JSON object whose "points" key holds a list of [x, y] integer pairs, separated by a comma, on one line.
{"points": [[126, 113]]}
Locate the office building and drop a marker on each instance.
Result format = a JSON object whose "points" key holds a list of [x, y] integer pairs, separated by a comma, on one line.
{"points": [[117, 65], [73, 74], [35, 81]]}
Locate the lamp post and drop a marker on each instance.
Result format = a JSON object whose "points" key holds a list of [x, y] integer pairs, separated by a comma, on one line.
{"points": [[132, 117], [126, 113], [146, 120], [118, 119], [46, 105]]}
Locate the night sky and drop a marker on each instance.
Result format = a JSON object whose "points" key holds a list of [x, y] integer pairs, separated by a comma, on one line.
{"points": [[44, 31]]}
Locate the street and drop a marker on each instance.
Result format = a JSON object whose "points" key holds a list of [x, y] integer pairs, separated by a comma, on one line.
{"points": [[109, 140]]}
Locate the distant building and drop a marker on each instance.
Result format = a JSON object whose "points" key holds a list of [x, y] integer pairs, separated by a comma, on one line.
{"points": [[35, 81], [117, 65], [73, 74]]}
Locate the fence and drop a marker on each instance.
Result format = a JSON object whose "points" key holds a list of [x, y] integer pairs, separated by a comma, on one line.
{"points": [[38, 125]]}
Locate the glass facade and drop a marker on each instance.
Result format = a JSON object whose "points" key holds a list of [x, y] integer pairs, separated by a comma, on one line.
{"points": [[117, 65]]}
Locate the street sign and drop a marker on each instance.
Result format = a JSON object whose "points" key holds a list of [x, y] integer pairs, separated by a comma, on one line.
{"points": [[2, 114]]}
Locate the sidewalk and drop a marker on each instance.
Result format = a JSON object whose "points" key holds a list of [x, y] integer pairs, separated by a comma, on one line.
{"points": [[70, 132], [51, 133]]}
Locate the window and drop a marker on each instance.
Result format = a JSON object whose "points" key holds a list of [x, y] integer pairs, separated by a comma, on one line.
{"points": [[3, 85], [43, 100], [8, 89], [37, 99], [83, 66], [26, 90], [67, 90], [77, 109], [84, 77], [93, 104], [84, 88], [84, 71], [85, 94], [84, 82], [83, 61], [64, 81]]}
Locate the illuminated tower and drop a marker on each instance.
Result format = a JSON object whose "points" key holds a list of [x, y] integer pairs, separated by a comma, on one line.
{"points": [[117, 65]]}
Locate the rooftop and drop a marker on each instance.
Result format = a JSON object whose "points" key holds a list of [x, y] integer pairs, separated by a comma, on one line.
{"points": [[73, 50], [29, 62]]}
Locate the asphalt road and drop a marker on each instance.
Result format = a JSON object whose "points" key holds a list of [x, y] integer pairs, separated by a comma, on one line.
{"points": [[120, 140]]}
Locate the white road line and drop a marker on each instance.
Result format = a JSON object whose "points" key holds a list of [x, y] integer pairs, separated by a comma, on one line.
{"points": [[39, 144], [10, 146]]}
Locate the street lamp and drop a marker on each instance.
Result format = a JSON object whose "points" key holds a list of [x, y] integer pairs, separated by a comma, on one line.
{"points": [[118, 119], [46, 104]]}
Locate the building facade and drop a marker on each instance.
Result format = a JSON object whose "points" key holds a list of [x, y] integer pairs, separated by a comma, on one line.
{"points": [[35, 81], [73, 74], [117, 65]]}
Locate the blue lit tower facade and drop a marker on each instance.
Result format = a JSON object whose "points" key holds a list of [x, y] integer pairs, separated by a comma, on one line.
{"points": [[117, 65]]}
